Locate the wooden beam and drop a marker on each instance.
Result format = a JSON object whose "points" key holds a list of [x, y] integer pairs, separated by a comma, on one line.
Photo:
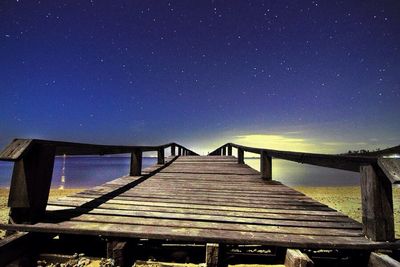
{"points": [[179, 151], [240, 153], [382, 260], [160, 156], [172, 150], [118, 250], [391, 167], [229, 150], [266, 166], [136, 163], [295, 258], [224, 151], [214, 255], [377, 204], [30, 184]]}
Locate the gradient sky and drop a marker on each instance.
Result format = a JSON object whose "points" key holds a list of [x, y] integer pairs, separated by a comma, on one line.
{"points": [[318, 76]]}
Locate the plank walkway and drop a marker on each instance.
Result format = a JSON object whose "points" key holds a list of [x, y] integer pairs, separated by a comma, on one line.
{"points": [[204, 199]]}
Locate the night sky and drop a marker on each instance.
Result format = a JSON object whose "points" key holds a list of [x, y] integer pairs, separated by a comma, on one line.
{"points": [[319, 76]]}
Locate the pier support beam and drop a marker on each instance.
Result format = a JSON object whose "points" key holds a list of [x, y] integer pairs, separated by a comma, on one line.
{"points": [[240, 153], [172, 150], [136, 163], [214, 256], [117, 250], [265, 166], [295, 258], [30, 184], [377, 204], [160, 156], [229, 150]]}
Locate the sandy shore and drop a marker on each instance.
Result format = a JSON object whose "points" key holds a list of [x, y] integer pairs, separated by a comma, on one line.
{"points": [[345, 199]]}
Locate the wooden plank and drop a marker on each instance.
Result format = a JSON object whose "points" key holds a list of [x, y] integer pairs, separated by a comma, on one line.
{"points": [[30, 184], [224, 224], [382, 260], [204, 236], [391, 167], [226, 218], [119, 200], [377, 204], [295, 258], [203, 206], [113, 208]]}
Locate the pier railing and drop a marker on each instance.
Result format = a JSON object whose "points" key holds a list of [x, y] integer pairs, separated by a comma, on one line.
{"points": [[33, 168], [377, 176]]}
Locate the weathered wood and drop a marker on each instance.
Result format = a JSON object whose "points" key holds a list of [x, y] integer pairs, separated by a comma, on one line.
{"points": [[240, 153], [214, 255], [30, 184], [377, 204], [295, 258], [265, 166], [172, 150], [160, 156], [344, 162], [19, 147], [117, 250], [382, 260], [136, 163], [391, 167], [229, 150]]}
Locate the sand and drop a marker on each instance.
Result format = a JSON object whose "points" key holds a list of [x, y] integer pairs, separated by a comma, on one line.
{"points": [[345, 199]]}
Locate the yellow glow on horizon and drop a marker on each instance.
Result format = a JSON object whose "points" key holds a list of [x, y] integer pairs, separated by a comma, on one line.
{"points": [[282, 142]]}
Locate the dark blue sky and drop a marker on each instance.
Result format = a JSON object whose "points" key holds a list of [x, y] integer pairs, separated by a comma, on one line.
{"points": [[325, 73]]}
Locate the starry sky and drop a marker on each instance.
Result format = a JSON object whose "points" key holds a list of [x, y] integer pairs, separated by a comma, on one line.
{"points": [[319, 76]]}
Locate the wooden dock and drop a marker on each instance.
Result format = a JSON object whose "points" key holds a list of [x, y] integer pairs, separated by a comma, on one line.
{"points": [[215, 199]]}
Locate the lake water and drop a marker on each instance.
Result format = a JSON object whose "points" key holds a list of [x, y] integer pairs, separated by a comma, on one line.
{"points": [[91, 171]]}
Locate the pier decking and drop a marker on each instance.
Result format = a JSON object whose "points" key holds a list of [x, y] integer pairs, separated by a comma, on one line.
{"points": [[205, 199]]}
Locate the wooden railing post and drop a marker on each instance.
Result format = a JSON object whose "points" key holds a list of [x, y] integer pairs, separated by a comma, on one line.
{"points": [[240, 153], [172, 150], [224, 151], [377, 204], [30, 184], [160, 156], [229, 150], [265, 166], [136, 163]]}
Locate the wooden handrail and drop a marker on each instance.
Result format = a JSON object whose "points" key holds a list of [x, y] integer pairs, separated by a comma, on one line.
{"points": [[18, 147], [343, 162], [377, 176], [33, 168]]}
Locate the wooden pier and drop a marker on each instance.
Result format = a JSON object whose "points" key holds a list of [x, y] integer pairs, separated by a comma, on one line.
{"points": [[215, 200]]}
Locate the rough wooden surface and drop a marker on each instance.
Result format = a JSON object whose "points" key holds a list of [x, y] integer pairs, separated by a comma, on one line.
{"points": [[377, 204], [382, 260], [295, 258], [204, 199], [391, 167]]}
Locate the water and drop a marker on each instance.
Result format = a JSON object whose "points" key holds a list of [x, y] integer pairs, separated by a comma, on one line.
{"points": [[296, 174], [82, 171], [91, 171]]}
